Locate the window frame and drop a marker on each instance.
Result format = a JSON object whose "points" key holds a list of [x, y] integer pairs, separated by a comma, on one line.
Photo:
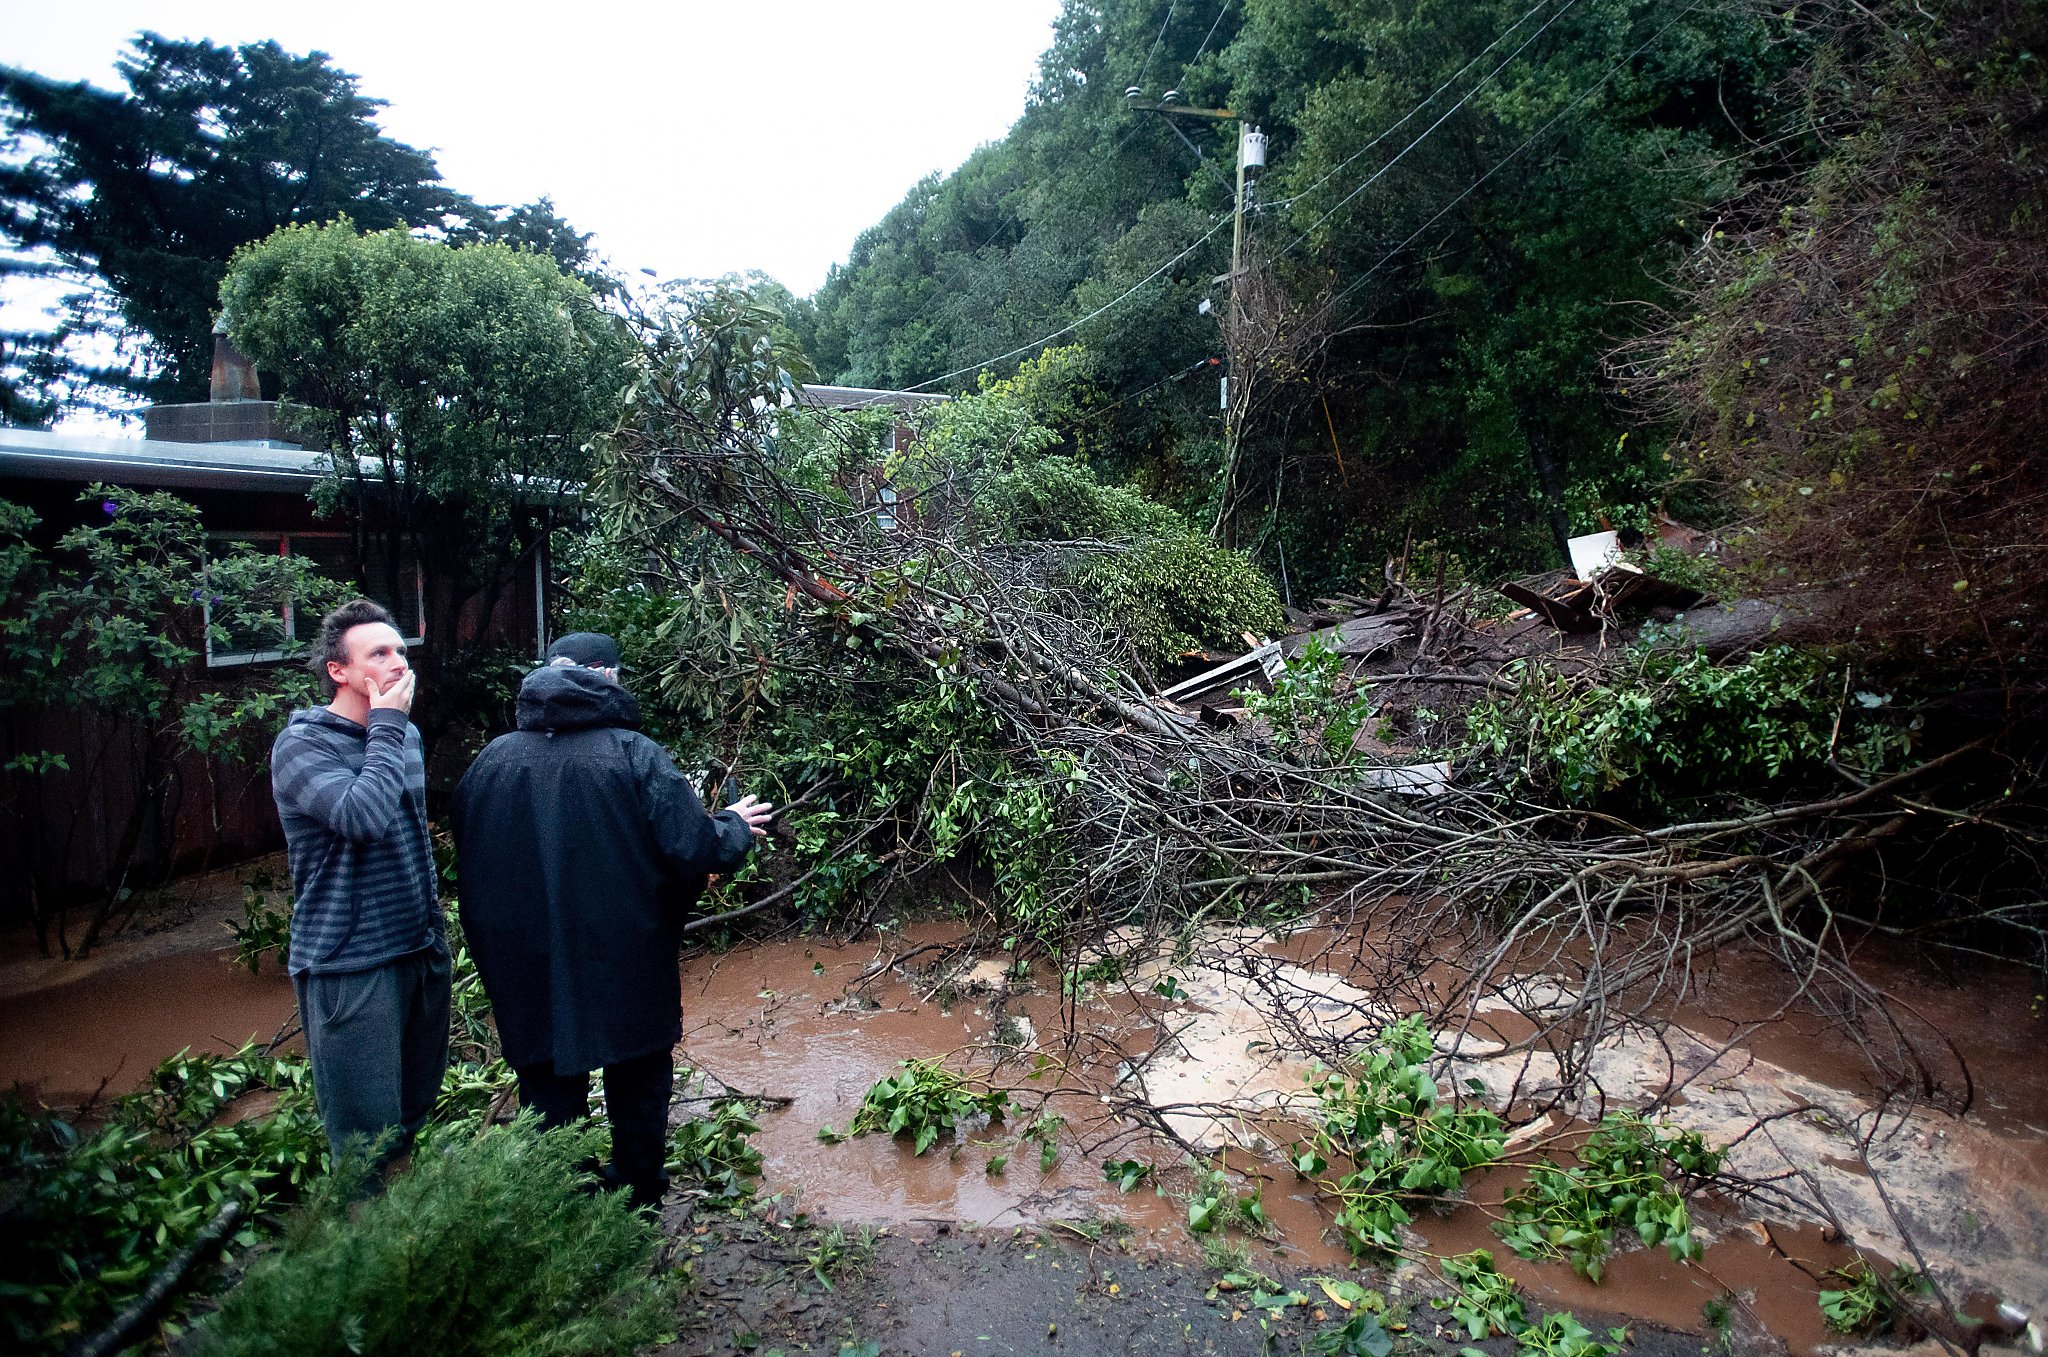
{"points": [[287, 615]]}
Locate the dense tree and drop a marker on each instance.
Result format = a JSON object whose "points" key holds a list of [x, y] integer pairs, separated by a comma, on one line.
{"points": [[1462, 293], [456, 389], [137, 197], [1862, 366]]}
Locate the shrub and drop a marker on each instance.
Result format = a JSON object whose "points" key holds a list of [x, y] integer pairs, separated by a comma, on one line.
{"points": [[488, 1246], [1312, 708], [110, 628], [1167, 591], [1671, 725], [90, 1217]]}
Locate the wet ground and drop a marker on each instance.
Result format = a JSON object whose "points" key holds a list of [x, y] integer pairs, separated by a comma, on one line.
{"points": [[964, 1254], [73, 1029], [819, 1024], [754, 1286]]}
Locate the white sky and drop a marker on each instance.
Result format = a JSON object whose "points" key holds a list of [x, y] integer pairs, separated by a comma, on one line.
{"points": [[693, 138]]}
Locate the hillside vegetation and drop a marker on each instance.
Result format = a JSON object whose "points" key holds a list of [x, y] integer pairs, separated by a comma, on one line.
{"points": [[1520, 271]]}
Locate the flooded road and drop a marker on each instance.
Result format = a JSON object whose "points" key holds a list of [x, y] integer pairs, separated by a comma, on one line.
{"points": [[819, 1024], [1205, 1049]]}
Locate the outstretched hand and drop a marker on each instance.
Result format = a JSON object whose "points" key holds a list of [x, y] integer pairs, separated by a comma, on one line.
{"points": [[755, 812]]}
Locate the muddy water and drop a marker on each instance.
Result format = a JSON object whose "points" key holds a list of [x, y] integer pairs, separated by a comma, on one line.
{"points": [[110, 1027], [779, 1019], [818, 1024], [793, 1020]]}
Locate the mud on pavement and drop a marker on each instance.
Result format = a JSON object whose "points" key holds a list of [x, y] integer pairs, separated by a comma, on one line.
{"points": [[1167, 1053], [761, 1283]]}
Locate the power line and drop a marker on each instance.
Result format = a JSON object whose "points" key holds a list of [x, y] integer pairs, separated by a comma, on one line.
{"points": [[1195, 366], [1205, 39], [1434, 94], [1015, 218], [1531, 140], [1217, 221], [1423, 136], [1214, 225], [1156, 41]]}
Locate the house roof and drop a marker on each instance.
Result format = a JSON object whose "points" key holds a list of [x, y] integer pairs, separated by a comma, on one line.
{"points": [[863, 398], [150, 461]]}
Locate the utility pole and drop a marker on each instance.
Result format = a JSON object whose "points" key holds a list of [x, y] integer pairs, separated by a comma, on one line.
{"points": [[1251, 154]]}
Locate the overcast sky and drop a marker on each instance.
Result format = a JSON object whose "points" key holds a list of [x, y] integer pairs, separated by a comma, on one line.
{"points": [[694, 138]]}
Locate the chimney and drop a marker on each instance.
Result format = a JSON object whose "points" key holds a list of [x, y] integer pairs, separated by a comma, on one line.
{"points": [[234, 376]]}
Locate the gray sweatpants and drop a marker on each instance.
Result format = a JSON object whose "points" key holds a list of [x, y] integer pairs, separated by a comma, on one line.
{"points": [[378, 1040]]}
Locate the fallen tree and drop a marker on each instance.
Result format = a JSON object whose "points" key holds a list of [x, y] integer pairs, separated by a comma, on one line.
{"points": [[1141, 814]]}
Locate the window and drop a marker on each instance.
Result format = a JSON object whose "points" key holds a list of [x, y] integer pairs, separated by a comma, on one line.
{"points": [[333, 553]]}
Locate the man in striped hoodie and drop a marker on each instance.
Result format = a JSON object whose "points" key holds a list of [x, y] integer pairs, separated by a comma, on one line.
{"points": [[369, 954]]}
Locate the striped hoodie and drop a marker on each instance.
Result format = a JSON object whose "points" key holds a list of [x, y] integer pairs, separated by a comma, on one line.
{"points": [[353, 802]]}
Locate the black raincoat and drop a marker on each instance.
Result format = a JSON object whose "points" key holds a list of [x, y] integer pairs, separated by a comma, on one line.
{"points": [[580, 850]]}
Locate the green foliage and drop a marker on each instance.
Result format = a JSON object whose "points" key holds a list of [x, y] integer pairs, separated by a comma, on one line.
{"points": [[1045, 1129], [1209, 1204], [1177, 593], [1364, 1332], [833, 1250], [922, 1100], [1464, 392], [929, 760], [111, 627], [1670, 725], [1125, 1173], [1313, 709], [1873, 426], [714, 1152], [1866, 1303], [485, 1246], [1166, 588], [1624, 1179], [465, 384], [1401, 1144], [105, 1210], [1561, 1335], [1486, 1302], [145, 192], [93, 1214], [265, 929]]}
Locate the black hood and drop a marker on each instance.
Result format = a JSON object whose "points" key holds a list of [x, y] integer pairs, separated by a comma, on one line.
{"points": [[564, 698]]}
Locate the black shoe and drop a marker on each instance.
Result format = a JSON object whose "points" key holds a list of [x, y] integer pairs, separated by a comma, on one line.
{"points": [[645, 1194]]}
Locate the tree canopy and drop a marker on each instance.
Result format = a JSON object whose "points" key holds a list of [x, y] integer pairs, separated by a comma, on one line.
{"points": [[138, 196], [1466, 207], [455, 389]]}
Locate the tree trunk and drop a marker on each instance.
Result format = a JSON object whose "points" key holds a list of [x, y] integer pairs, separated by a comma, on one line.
{"points": [[1553, 492]]}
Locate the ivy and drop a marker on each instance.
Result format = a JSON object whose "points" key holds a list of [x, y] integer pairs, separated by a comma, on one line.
{"points": [[923, 1100], [1624, 1179], [1401, 1143]]}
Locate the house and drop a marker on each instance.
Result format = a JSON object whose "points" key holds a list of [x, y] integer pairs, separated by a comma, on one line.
{"points": [[250, 476], [872, 486]]}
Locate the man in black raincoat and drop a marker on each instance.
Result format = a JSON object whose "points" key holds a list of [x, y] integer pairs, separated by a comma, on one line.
{"points": [[581, 848]]}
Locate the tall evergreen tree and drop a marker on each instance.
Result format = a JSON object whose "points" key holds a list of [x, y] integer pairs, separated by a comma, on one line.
{"points": [[138, 196]]}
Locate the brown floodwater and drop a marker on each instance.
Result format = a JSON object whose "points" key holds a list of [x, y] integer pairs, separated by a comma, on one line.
{"points": [[106, 1030], [817, 1023]]}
